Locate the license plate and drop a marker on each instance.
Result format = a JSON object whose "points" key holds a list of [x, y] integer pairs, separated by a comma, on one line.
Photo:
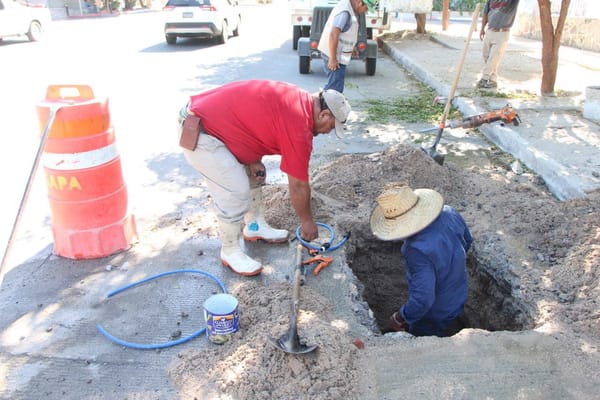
{"points": [[187, 15]]}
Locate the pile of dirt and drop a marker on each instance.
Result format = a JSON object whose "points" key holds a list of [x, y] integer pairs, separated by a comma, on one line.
{"points": [[249, 367], [545, 250]]}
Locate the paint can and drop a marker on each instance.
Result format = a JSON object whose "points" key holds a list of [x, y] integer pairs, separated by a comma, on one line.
{"points": [[222, 318]]}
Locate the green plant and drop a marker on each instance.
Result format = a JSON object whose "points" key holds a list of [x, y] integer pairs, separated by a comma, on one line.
{"points": [[420, 108], [507, 95]]}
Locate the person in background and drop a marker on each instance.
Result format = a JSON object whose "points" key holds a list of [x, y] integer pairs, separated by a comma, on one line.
{"points": [[436, 240], [338, 40], [225, 132], [499, 16]]}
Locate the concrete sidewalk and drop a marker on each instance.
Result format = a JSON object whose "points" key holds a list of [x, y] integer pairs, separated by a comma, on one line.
{"points": [[553, 139]]}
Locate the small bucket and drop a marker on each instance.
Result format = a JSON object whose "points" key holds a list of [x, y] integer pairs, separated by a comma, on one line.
{"points": [[222, 319]]}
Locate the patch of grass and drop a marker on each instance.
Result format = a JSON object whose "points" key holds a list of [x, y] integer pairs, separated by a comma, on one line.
{"points": [[420, 108], [510, 95], [566, 93], [422, 139], [523, 95]]}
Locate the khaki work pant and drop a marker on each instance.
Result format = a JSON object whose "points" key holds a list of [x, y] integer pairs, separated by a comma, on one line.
{"points": [[494, 47], [226, 179]]}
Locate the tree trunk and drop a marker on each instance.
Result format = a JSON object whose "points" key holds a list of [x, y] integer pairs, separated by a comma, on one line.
{"points": [[421, 20], [551, 43], [445, 14]]}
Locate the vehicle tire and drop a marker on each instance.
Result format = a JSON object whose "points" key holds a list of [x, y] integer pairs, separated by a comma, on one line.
{"points": [[171, 39], [222, 39], [236, 31], [304, 64], [35, 31], [296, 35], [370, 65]]}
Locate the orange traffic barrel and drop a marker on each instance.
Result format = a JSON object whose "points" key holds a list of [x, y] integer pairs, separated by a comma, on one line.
{"points": [[86, 191]]}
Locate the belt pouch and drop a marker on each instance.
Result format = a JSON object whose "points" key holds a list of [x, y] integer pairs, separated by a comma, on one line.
{"points": [[190, 132]]}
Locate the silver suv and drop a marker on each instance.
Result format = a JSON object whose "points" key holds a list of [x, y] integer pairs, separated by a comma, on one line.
{"points": [[201, 19], [19, 19]]}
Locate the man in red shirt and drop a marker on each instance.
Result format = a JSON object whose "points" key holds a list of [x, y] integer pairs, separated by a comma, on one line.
{"points": [[240, 123]]}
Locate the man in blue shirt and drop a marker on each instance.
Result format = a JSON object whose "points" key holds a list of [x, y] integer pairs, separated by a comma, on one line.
{"points": [[436, 241]]}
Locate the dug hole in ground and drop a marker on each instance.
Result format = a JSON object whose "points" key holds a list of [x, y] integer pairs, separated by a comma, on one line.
{"points": [[531, 326]]}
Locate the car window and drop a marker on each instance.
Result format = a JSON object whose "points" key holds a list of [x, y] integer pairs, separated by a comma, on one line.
{"points": [[188, 3]]}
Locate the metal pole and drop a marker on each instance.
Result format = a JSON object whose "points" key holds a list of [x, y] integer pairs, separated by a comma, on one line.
{"points": [[51, 116]]}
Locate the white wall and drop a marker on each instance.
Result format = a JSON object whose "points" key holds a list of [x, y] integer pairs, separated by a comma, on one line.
{"points": [[578, 8], [412, 6]]}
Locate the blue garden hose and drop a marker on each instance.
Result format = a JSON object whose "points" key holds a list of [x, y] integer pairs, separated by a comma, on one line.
{"points": [[325, 247], [166, 344]]}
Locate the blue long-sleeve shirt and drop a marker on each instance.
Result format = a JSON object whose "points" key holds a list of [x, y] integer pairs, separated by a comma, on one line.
{"points": [[436, 269]]}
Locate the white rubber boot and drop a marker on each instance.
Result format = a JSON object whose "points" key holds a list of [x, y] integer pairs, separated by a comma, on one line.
{"points": [[232, 255], [256, 227]]}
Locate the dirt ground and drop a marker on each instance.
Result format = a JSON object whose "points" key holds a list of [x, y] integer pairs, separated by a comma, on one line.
{"points": [[543, 252]]}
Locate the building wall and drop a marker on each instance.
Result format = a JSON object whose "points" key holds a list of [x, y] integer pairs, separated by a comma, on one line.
{"points": [[582, 27], [412, 6]]}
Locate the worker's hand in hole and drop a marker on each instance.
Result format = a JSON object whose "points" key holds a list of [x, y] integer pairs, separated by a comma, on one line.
{"points": [[333, 64], [258, 172], [309, 231], [397, 323]]}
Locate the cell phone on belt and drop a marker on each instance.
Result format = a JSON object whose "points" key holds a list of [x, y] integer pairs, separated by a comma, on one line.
{"points": [[190, 132]]}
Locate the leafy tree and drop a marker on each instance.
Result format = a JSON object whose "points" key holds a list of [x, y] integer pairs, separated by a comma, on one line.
{"points": [[455, 5], [551, 42]]}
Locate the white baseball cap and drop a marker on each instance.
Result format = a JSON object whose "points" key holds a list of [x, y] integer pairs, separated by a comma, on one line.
{"points": [[339, 107]]}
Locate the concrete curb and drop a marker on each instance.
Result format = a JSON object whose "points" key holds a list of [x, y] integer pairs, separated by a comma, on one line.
{"points": [[561, 183], [554, 173]]}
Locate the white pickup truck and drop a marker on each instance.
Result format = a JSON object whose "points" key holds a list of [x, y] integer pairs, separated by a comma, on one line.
{"points": [[301, 16]]}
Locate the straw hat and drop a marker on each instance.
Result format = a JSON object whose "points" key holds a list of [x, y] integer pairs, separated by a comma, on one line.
{"points": [[401, 212]]}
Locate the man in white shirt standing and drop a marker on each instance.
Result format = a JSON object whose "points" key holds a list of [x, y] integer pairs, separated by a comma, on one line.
{"points": [[339, 39]]}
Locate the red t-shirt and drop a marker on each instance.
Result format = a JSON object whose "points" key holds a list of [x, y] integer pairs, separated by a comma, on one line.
{"points": [[257, 118]]}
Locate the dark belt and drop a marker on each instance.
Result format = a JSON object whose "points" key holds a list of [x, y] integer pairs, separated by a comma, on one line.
{"points": [[499, 29]]}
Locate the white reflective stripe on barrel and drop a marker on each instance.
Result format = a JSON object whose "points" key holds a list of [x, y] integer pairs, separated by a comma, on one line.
{"points": [[86, 159]]}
